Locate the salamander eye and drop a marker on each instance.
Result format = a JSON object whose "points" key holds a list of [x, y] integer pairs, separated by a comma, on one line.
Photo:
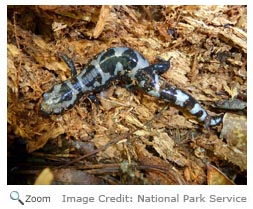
{"points": [[46, 96]]}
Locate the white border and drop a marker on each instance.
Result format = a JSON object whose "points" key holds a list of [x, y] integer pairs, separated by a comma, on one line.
{"points": [[56, 191], [125, 2]]}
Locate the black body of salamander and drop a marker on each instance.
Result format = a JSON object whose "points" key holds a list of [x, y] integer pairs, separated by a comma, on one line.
{"points": [[128, 65]]}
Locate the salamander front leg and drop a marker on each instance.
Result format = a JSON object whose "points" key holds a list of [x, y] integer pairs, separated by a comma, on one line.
{"points": [[70, 64], [93, 98]]}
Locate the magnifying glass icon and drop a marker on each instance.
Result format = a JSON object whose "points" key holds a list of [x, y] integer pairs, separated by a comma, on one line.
{"points": [[14, 195]]}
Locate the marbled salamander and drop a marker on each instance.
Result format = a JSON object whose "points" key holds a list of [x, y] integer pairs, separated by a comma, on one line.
{"points": [[128, 65]]}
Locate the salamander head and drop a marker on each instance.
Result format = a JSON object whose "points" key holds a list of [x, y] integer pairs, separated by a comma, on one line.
{"points": [[57, 99]]}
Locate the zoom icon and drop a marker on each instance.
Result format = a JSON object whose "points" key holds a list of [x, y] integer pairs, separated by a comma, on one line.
{"points": [[14, 195]]}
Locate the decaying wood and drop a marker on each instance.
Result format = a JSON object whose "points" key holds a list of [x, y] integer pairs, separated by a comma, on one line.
{"points": [[133, 136]]}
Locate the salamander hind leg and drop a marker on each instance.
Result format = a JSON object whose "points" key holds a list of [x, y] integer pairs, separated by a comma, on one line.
{"points": [[160, 67], [148, 77], [163, 65]]}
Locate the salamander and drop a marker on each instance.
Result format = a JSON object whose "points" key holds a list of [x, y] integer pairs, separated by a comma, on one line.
{"points": [[121, 64]]}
